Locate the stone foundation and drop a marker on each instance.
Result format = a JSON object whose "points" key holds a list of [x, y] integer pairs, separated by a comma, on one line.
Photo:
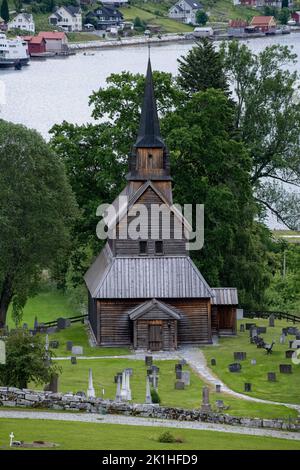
{"points": [[13, 397]]}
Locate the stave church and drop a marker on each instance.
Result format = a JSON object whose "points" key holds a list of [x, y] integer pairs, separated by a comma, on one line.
{"points": [[147, 292]]}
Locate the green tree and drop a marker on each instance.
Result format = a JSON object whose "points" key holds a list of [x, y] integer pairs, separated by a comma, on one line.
{"points": [[18, 5], [284, 15], [202, 68], [201, 17], [268, 121], [26, 361], [37, 208], [4, 11]]}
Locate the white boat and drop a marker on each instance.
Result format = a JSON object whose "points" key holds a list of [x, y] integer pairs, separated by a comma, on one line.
{"points": [[13, 52]]}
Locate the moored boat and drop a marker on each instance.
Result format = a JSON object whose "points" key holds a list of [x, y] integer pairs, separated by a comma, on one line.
{"points": [[13, 52]]}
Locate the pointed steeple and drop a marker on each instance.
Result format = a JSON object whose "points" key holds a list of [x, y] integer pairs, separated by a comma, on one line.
{"points": [[149, 130]]}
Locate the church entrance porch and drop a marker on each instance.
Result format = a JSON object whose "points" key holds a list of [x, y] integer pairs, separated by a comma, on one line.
{"points": [[154, 326]]}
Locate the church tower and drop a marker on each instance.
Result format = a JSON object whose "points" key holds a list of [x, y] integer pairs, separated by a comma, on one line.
{"points": [[149, 159]]}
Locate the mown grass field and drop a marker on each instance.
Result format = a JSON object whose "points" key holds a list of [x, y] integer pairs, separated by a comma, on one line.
{"points": [[287, 387], [85, 436]]}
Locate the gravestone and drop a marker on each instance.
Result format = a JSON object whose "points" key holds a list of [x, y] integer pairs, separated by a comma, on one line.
{"points": [[36, 323], [271, 321], [178, 374], [69, 345], [291, 343], [148, 361], [178, 367], [129, 371], [213, 362], [295, 344], [61, 323], [289, 354], [235, 367], [179, 385], [25, 326], [205, 406], [242, 328], [271, 377], [91, 391], [250, 325], [253, 332], [298, 336], [186, 377], [261, 330], [284, 331], [292, 330], [285, 368], [239, 356], [80, 394], [77, 350], [282, 339], [73, 360], [253, 362], [155, 369], [220, 404], [182, 362], [218, 388], [148, 400], [54, 344], [118, 374], [53, 385], [149, 371], [247, 387]]}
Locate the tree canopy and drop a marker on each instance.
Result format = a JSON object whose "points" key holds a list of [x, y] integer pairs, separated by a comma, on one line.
{"points": [[37, 209]]}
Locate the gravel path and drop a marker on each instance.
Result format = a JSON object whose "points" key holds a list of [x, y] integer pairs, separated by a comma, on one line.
{"points": [[196, 359], [132, 421]]}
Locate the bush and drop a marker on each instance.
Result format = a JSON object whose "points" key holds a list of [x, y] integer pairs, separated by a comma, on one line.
{"points": [[154, 396], [166, 437]]}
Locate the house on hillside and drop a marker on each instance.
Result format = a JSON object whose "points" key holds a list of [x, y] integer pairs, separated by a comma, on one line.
{"points": [[236, 28], [147, 292], [264, 24], [23, 21], [3, 25], [56, 42], [68, 18], [185, 11], [104, 17], [36, 44]]}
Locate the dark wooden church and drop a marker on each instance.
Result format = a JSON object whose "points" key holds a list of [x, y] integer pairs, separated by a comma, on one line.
{"points": [[147, 292]]}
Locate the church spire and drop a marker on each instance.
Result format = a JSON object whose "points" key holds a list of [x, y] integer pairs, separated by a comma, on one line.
{"points": [[149, 130]]}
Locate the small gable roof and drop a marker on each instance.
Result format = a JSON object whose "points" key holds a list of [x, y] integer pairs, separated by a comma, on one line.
{"points": [[262, 20], [151, 305], [225, 296]]}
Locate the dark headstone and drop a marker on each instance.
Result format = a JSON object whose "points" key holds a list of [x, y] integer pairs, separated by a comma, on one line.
{"points": [[25, 326], [271, 377], [73, 360], [285, 368], [213, 362], [178, 374], [218, 388], [36, 324], [285, 331], [220, 404], [155, 369], [271, 320], [239, 356], [80, 394], [69, 345], [178, 367], [261, 330], [61, 323], [53, 386], [235, 367], [289, 354], [298, 336], [253, 332], [291, 343], [242, 328], [148, 361], [179, 385], [54, 344], [292, 330], [149, 371], [247, 387], [250, 325]]}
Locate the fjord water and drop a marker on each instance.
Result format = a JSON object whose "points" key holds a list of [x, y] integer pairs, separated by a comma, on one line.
{"points": [[49, 92]]}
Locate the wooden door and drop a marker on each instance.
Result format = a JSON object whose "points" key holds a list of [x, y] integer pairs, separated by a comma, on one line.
{"points": [[155, 335]]}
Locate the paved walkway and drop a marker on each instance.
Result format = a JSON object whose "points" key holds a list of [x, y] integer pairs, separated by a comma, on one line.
{"points": [[148, 422], [196, 359]]}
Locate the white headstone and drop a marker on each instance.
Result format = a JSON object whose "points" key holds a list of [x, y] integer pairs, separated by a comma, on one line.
{"points": [[148, 393], [282, 339], [124, 387], [77, 350], [296, 344], [91, 391], [2, 352], [186, 377], [47, 343], [127, 375], [11, 437], [118, 393]]}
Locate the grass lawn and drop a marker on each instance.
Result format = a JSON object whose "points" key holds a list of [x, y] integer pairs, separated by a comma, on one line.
{"points": [[75, 378], [48, 305], [78, 334], [72, 436], [82, 37], [287, 387], [168, 25]]}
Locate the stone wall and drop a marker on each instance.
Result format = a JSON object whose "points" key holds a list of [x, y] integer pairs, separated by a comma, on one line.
{"points": [[13, 397]]}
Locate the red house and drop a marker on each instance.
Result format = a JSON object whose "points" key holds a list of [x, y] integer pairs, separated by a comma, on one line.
{"points": [[265, 24], [296, 16], [36, 44]]}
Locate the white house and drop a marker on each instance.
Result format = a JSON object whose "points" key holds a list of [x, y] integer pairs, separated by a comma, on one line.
{"points": [[185, 11], [68, 18], [23, 21]]}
